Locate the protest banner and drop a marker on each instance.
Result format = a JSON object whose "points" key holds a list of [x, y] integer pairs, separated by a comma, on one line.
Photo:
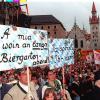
{"points": [[61, 51], [90, 55], [22, 46], [87, 55]]}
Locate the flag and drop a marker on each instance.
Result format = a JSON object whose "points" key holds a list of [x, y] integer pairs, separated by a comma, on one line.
{"points": [[27, 9], [89, 57], [8, 0], [96, 57], [23, 1], [16, 1]]}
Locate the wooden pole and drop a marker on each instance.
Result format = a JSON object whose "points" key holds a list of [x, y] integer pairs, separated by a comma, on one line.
{"points": [[63, 77], [63, 80], [30, 96], [28, 79]]}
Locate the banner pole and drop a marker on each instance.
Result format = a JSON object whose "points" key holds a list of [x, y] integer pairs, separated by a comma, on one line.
{"points": [[63, 77], [63, 80], [28, 77]]}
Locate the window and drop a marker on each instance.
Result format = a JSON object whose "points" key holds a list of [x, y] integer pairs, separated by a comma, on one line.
{"points": [[95, 44], [41, 27], [48, 34], [35, 27], [76, 43], [81, 43], [55, 34], [48, 27], [54, 27]]}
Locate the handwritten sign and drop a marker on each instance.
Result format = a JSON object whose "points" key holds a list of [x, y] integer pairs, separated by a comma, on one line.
{"points": [[61, 51], [22, 46]]}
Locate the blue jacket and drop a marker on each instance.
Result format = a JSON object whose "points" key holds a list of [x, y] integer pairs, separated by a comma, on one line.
{"points": [[4, 89]]}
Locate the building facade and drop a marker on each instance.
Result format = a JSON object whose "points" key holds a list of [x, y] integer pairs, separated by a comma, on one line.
{"points": [[53, 26], [94, 28], [80, 36], [7, 12], [83, 39], [10, 14]]}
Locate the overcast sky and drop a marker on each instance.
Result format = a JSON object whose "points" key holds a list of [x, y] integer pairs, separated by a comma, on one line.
{"points": [[65, 10]]}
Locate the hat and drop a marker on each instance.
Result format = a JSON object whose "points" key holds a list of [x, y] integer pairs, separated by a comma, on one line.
{"points": [[20, 70], [1, 73], [97, 75]]}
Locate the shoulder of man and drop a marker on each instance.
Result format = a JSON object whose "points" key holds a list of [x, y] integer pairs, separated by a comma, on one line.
{"points": [[8, 97], [7, 86], [12, 90]]}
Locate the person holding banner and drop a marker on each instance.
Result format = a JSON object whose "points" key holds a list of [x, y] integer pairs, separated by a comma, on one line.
{"points": [[20, 90], [52, 82]]}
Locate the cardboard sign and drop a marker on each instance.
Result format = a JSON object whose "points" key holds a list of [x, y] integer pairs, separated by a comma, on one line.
{"points": [[22, 46], [61, 51]]}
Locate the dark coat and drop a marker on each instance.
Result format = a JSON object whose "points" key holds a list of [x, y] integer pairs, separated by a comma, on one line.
{"points": [[93, 95], [4, 89]]}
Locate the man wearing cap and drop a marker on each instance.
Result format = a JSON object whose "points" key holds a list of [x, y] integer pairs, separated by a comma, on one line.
{"points": [[4, 88], [20, 90]]}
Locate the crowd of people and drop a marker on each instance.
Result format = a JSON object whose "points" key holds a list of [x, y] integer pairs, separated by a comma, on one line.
{"points": [[79, 83]]}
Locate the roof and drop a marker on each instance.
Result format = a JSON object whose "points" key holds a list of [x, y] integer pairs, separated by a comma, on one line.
{"points": [[93, 7], [44, 19]]}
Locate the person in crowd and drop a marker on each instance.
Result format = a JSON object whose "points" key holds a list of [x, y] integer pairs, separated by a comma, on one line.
{"points": [[86, 86], [35, 80], [49, 94], [95, 94], [75, 88], [4, 88], [52, 82], [20, 90]]}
